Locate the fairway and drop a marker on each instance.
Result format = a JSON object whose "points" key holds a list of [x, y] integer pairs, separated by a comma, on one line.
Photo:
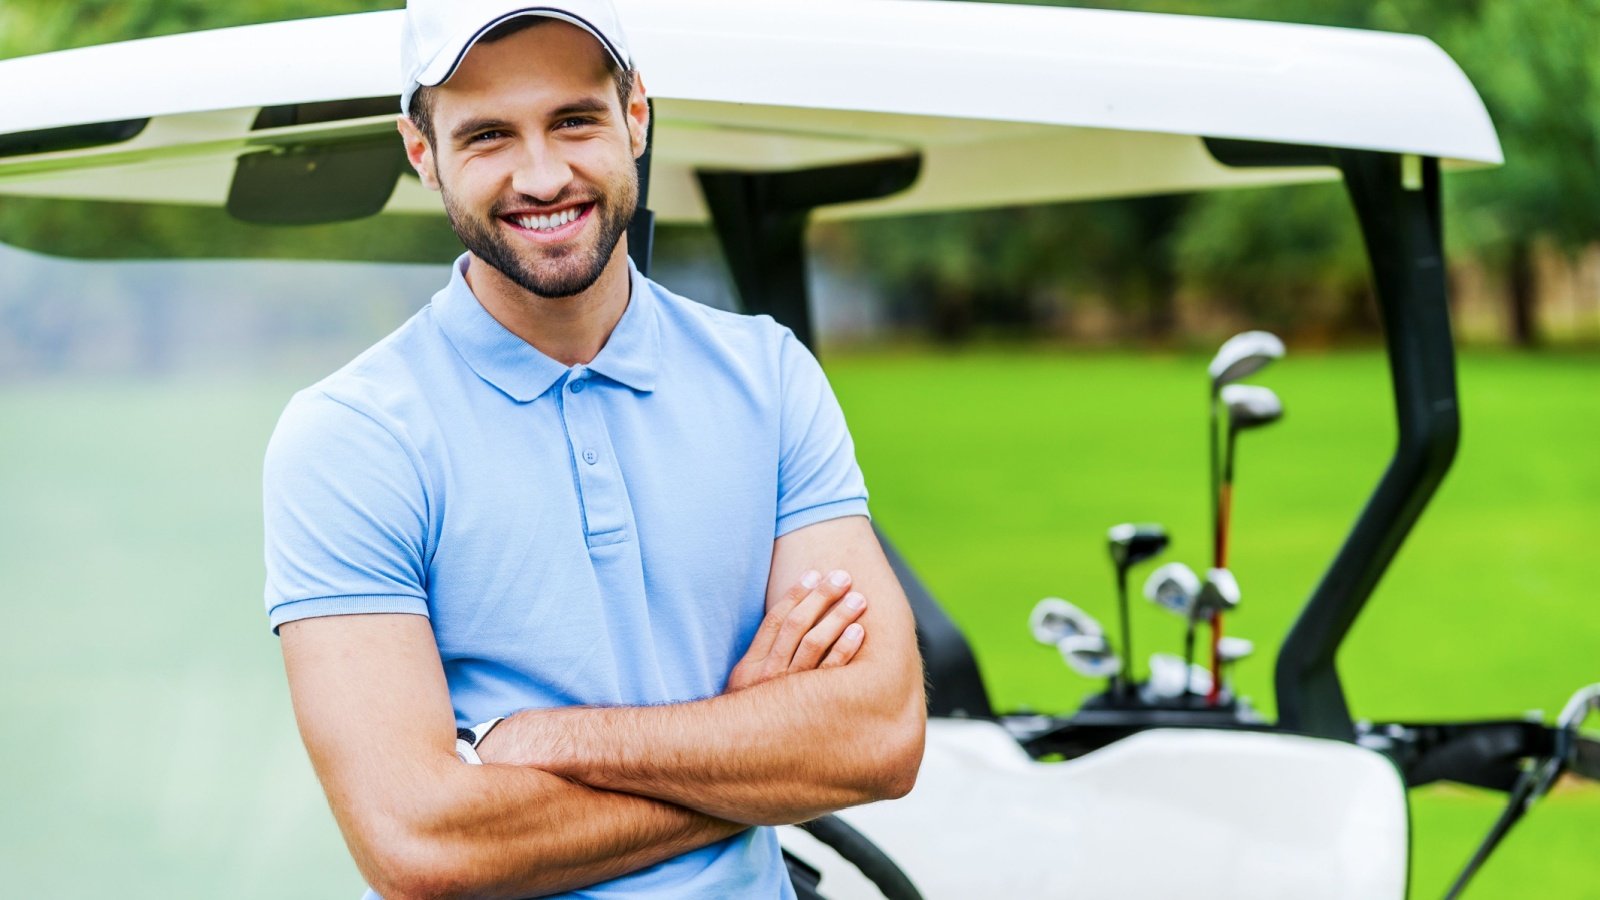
{"points": [[150, 746]]}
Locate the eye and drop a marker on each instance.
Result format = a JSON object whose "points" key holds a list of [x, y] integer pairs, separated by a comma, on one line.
{"points": [[483, 136], [575, 122]]}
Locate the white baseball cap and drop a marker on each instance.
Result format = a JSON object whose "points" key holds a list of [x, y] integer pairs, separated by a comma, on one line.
{"points": [[438, 33]]}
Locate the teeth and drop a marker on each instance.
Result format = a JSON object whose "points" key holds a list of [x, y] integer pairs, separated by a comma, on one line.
{"points": [[548, 223]]}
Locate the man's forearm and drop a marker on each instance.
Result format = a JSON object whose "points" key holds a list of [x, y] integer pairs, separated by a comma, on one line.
{"points": [[497, 831], [783, 751]]}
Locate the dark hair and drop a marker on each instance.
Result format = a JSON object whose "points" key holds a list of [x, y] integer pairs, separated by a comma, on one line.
{"points": [[421, 111]]}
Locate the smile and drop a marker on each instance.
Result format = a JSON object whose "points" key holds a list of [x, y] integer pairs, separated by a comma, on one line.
{"points": [[553, 225]]}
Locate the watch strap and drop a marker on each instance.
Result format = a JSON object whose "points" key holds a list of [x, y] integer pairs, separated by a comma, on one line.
{"points": [[468, 740]]}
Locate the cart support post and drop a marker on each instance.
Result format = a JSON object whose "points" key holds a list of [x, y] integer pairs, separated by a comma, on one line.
{"points": [[1400, 221], [760, 219], [642, 229]]}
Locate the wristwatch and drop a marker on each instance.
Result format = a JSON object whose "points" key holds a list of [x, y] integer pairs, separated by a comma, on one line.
{"points": [[468, 739]]}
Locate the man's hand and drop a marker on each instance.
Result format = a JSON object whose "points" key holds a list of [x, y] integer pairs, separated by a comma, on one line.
{"points": [[812, 626]]}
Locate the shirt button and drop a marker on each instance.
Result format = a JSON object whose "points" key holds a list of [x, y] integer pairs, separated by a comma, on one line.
{"points": [[591, 457], [577, 387]]}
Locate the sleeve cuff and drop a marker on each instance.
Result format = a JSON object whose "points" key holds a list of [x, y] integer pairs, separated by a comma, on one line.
{"points": [[314, 607], [822, 512]]}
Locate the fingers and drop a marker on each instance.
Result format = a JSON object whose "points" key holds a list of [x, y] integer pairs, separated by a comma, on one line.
{"points": [[826, 634], [812, 625], [772, 623], [845, 648], [804, 616]]}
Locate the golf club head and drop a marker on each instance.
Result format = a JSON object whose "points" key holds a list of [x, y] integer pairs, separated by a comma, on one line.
{"points": [[1173, 587], [1089, 655], [1251, 405], [1232, 649], [1583, 703], [1219, 594], [1167, 677], [1131, 544], [1243, 355], [1054, 619]]}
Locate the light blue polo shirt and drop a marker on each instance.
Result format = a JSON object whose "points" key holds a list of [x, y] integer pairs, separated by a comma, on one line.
{"points": [[597, 534]]}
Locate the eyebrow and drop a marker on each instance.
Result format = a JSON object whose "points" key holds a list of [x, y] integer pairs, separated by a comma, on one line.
{"points": [[586, 106]]}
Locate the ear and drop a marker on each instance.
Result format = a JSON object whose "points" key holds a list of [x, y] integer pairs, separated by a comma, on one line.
{"points": [[638, 117], [419, 152]]}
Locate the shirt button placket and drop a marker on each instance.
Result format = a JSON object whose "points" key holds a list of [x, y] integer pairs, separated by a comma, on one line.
{"points": [[604, 505]]}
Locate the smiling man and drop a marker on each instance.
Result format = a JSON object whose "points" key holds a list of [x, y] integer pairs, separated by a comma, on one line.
{"points": [[571, 574]]}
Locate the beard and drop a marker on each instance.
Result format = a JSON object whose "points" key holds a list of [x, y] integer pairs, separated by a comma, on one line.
{"points": [[555, 271]]}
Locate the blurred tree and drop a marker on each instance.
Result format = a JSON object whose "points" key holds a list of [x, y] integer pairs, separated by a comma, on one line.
{"points": [[1271, 253], [1537, 66], [1013, 269], [38, 26]]}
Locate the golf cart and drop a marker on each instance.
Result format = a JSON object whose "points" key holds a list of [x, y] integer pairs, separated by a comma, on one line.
{"points": [[933, 106]]}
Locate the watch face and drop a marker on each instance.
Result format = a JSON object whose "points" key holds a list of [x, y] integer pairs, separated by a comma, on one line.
{"points": [[466, 734]]}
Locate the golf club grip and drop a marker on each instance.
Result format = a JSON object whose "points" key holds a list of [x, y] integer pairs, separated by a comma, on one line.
{"points": [[1585, 761], [856, 849]]}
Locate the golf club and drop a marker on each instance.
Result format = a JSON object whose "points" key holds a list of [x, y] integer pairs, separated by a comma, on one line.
{"points": [[1175, 587], [1129, 545], [1238, 358], [1249, 406], [1231, 650], [1054, 618], [1219, 593], [1090, 655], [1172, 678]]}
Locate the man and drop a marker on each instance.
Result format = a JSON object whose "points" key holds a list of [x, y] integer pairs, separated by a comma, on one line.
{"points": [[559, 493]]}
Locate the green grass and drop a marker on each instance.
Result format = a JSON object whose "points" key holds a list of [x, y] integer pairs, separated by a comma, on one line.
{"points": [[149, 746], [997, 474]]}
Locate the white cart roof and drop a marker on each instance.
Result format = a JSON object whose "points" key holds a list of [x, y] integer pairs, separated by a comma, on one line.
{"points": [[1006, 104]]}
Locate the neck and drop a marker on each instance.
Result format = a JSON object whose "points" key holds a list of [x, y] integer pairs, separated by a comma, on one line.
{"points": [[570, 330]]}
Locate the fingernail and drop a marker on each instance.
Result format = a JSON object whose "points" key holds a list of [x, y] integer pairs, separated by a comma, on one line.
{"points": [[810, 580], [854, 631], [854, 600], [839, 578]]}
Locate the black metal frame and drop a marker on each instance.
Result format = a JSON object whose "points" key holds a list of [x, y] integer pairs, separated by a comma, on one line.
{"points": [[1396, 201], [760, 219], [1401, 225], [642, 230]]}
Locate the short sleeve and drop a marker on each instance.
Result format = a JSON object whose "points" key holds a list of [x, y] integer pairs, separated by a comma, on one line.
{"points": [[345, 515], [818, 478]]}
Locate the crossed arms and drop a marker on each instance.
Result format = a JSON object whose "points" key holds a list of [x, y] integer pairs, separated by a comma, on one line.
{"points": [[814, 720]]}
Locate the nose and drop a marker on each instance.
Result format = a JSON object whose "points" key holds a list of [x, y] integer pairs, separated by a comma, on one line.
{"points": [[542, 173]]}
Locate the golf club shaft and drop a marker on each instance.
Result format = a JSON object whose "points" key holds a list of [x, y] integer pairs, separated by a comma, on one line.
{"points": [[1212, 472], [1224, 526], [1188, 657], [1125, 677]]}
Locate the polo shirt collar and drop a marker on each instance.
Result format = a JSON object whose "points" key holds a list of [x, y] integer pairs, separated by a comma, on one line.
{"points": [[630, 356]]}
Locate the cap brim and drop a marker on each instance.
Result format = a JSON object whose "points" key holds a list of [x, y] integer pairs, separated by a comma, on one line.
{"points": [[449, 58]]}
